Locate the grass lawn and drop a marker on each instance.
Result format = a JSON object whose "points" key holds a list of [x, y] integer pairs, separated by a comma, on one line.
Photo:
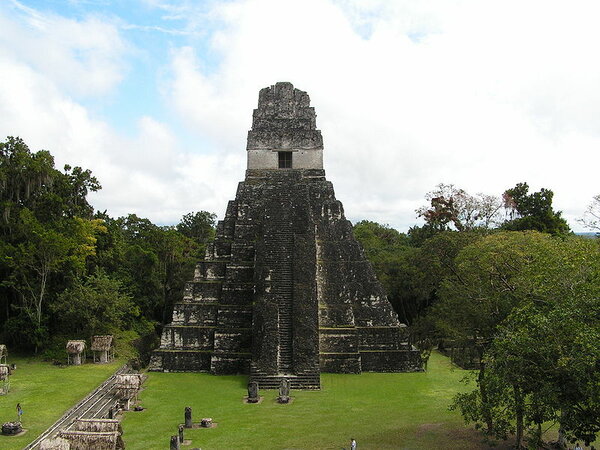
{"points": [[46, 392], [379, 410]]}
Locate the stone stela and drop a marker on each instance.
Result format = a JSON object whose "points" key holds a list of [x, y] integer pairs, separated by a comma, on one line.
{"points": [[284, 391], [285, 290], [253, 396]]}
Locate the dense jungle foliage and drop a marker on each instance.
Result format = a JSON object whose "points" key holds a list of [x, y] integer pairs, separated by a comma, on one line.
{"points": [[503, 287], [68, 271]]}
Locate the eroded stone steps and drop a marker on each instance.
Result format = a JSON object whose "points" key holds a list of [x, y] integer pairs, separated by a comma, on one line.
{"points": [[307, 381], [281, 245]]}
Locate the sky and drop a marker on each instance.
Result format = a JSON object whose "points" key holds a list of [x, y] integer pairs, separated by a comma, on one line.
{"points": [[155, 97]]}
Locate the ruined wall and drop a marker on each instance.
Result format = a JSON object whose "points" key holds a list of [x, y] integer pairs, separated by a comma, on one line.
{"points": [[284, 120]]}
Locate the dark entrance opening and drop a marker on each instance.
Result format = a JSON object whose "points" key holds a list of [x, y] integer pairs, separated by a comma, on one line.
{"points": [[285, 160]]}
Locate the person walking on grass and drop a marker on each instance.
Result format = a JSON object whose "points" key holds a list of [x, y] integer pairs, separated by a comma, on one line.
{"points": [[352, 444], [19, 412]]}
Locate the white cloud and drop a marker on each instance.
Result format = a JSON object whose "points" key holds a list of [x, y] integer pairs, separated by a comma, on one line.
{"points": [[148, 174], [82, 57], [483, 94]]}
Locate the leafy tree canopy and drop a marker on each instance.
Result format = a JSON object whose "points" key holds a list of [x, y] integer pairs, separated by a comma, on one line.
{"points": [[533, 211]]}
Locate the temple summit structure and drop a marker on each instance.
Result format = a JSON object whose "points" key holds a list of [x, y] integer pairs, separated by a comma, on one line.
{"points": [[285, 290]]}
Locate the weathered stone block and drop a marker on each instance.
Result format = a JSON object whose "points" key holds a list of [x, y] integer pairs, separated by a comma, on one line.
{"points": [[336, 315], [194, 314], [235, 341], [237, 294], [230, 364], [379, 338], [338, 340], [340, 363], [242, 252], [239, 273], [210, 270], [187, 336], [234, 316], [391, 361], [183, 360], [205, 291]]}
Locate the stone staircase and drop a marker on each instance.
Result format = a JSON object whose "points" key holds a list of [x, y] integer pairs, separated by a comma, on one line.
{"points": [[283, 246], [299, 381], [280, 256]]}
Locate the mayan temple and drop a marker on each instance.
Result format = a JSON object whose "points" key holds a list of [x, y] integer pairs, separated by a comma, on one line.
{"points": [[285, 289]]}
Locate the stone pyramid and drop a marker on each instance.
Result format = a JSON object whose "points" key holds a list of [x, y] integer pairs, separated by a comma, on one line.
{"points": [[285, 289]]}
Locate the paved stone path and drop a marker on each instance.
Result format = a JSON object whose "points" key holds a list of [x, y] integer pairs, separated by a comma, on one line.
{"points": [[95, 406]]}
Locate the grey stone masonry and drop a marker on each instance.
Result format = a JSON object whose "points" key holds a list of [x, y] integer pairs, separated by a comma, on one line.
{"points": [[284, 122], [285, 290]]}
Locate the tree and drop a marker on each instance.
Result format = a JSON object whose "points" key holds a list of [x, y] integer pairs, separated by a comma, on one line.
{"points": [[591, 217], [199, 226], [43, 252], [452, 206], [533, 211], [542, 352], [94, 305], [393, 260], [47, 235], [154, 262], [478, 296], [23, 176], [549, 344]]}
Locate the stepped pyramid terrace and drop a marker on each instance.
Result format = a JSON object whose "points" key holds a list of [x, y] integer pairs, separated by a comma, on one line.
{"points": [[285, 290]]}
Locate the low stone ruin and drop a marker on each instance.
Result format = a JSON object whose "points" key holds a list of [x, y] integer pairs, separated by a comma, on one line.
{"points": [[85, 440], [56, 443], [11, 428], [75, 349], [3, 353], [253, 396], [284, 391], [98, 425], [4, 379], [97, 434], [128, 386], [102, 348], [207, 422]]}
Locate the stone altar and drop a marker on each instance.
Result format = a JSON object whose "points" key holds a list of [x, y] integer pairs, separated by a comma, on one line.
{"points": [[285, 290]]}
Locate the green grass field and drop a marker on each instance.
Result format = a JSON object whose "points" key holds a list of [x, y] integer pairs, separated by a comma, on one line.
{"points": [[399, 411], [46, 392], [379, 410]]}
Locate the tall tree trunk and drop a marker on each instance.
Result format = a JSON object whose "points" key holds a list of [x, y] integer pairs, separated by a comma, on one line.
{"points": [[38, 306], [518, 415], [562, 440], [485, 401]]}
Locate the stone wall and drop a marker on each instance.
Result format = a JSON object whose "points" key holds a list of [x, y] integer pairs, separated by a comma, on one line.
{"points": [[284, 121]]}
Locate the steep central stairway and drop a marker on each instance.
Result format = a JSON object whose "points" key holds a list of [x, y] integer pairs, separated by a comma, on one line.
{"points": [[283, 243]]}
